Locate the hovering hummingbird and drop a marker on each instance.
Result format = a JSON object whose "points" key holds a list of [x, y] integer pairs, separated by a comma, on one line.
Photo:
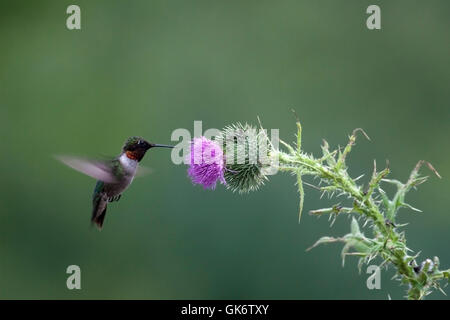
{"points": [[114, 175]]}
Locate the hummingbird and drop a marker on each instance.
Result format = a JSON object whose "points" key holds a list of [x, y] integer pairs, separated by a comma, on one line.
{"points": [[114, 175]]}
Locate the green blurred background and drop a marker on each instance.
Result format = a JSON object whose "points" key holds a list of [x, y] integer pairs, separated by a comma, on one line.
{"points": [[149, 67]]}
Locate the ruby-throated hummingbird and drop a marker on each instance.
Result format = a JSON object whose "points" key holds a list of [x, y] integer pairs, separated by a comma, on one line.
{"points": [[114, 175]]}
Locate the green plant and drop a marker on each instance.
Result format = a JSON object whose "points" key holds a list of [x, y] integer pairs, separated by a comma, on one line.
{"points": [[373, 206], [370, 204]]}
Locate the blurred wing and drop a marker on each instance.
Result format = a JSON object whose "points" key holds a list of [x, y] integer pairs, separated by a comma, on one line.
{"points": [[142, 171], [100, 170]]}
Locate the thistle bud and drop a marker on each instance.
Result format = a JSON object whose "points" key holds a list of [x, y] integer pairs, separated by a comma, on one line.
{"points": [[246, 152]]}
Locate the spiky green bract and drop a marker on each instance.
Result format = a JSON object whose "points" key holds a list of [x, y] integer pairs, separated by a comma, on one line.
{"points": [[244, 178], [373, 207], [246, 149]]}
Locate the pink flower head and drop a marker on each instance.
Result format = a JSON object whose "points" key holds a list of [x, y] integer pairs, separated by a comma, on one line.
{"points": [[206, 163]]}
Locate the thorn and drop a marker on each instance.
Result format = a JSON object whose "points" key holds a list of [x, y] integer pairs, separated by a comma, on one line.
{"points": [[430, 166], [333, 221], [312, 186], [362, 131], [374, 168], [259, 121], [295, 114], [411, 207], [402, 225]]}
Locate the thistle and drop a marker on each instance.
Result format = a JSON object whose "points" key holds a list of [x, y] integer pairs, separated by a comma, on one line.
{"points": [[206, 163], [369, 204], [237, 158]]}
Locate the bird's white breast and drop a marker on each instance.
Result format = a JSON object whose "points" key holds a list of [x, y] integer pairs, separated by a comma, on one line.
{"points": [[129, 165]]}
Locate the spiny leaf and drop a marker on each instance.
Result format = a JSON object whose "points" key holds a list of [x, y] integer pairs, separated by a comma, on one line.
{"points": [[324, 240]]}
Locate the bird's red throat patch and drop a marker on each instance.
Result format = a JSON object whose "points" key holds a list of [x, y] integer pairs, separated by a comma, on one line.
{"points": [[132, 155]]}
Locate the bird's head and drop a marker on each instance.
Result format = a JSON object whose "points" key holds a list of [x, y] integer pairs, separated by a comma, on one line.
{"points": [[136, 147]]}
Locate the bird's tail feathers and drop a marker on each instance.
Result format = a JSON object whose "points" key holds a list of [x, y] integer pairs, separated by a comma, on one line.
{"points": [[99, 212]]}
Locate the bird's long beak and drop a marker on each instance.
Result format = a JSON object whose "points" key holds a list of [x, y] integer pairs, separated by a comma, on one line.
{"points": [[155, 145]]}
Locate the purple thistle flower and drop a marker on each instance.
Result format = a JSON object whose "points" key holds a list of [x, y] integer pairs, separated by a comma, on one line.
{"points": [[206, 163]]}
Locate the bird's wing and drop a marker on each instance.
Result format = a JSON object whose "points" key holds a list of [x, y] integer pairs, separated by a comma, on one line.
{"points": [[102, 170]]}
